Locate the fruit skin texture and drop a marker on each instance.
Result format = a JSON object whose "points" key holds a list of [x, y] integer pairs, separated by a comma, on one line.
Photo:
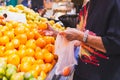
{"points": [[10, 72], [27, 76], [66, 71], [14, 59], [17, 76], [48, 57], [2, 72], [4, 78]]}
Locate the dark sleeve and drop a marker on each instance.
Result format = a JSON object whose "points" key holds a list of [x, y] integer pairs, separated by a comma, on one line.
{"points": [[111, 40], [25, 3]]}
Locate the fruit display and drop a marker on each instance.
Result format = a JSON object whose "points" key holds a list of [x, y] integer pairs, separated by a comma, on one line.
{"points": [[26, 53]]}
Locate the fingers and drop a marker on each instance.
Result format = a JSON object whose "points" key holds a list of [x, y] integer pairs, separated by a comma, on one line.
{"points": [[77, 43], [62, 33]]}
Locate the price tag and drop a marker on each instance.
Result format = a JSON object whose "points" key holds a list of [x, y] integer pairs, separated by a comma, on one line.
{"points": [[19, 17]]}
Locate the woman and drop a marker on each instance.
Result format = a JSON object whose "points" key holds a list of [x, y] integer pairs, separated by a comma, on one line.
{"points": [[102, 19]]}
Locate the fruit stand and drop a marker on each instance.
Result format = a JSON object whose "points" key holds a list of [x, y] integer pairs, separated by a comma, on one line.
{"points": [[26, 49]]}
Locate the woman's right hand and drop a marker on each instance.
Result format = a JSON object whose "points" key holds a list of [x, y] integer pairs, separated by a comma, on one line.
{"points": [[72, 34]]}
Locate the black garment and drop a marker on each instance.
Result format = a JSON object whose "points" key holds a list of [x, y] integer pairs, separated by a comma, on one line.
{"points": [[37, 4], [77, 4], [104, 20]]}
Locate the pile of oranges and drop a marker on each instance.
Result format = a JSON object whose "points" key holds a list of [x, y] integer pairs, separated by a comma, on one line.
{"points": [[23, 46]]}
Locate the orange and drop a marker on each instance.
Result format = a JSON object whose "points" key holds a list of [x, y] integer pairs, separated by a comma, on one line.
{"points": [[2, 54], [9, 46], [21, 53], [43, 68], [2, 49], [5, 28], [36, 34], [66, 71], [1, 34], [49, 39], [42, 26], [14, 24], [29, 52], [30, 35], [40, 42], [49, 66], [22, 46], [50, 48], [44, 51], [38, 49], [18, 68], [10, 34], [4, 40], [36, 67], [22, 38], [39, 55], [14, 59], [29, 60], [10, 26], [53, 62], [48, 57], [19, 30], [43, 75], [1, 17], [9, 52], [25, 67], [26, 28], [39, 61], [16, 43], [31, 44]]}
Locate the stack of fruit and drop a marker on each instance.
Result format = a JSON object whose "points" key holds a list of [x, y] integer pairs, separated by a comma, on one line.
{"points": [[9, 72], [22, 46]]}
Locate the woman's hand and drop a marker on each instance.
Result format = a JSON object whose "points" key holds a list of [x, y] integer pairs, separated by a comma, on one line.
{"points": [[72, 34], [92, 40]]}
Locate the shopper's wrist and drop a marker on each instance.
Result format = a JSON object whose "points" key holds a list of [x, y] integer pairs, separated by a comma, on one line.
{"points": [[85, 37]]}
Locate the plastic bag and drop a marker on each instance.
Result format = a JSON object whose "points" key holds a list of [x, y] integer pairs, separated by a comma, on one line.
{"points": [[69, 20], [66, 58], [53, 76]]}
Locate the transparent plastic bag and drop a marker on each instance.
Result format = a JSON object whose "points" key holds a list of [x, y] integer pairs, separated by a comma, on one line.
{"points": [[66, 58], [53, 76]]}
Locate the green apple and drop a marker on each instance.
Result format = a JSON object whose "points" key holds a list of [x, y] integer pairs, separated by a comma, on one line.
{"points": [[2, 71], [17, 76], [3, 65], [28, 75], [10, 72], [40, 78], [32, 79], [4, 78], [11, 66]]}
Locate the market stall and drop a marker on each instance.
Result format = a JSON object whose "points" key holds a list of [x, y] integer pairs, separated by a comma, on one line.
{"points": [[26, 44]]}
